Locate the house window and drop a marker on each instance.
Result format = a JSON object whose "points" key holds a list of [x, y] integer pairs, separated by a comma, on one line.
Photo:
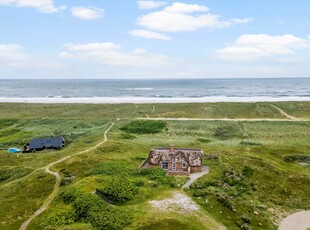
{"points": [[164, 165], [184, 165], [174, 166]]}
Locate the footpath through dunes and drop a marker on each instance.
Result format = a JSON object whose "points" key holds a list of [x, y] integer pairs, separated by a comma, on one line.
{"points": [[284, 113], [218, 119], [58, 178], [296, 221]]}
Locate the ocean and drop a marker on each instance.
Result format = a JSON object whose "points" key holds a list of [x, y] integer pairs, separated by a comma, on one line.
{"points": [[176, 90]]}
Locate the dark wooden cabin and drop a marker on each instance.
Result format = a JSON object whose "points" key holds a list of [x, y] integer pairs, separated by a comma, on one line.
{"points": [[39, 144]]}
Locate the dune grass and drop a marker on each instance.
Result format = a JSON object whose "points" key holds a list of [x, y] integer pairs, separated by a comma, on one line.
{"points": [[232, 194]]}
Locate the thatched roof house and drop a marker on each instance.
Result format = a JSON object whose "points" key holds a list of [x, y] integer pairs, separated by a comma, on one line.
{"points": [[175, 161]]}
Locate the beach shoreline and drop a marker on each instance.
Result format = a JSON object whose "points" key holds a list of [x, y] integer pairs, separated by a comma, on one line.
{"points": [[144, 100]]}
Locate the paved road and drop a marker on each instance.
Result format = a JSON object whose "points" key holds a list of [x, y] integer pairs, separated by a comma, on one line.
{"points": [[296, 221]]}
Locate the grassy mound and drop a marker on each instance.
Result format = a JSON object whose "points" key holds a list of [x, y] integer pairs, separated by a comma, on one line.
{"points": [[144, 127]]}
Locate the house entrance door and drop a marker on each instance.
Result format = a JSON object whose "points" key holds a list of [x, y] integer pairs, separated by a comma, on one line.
{"points": [[174, 166]]}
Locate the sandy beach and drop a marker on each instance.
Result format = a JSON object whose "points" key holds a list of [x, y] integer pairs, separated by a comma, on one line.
{"points": [[142, 100]]}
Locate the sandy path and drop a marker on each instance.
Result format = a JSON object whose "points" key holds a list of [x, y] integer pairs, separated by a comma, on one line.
{"points": [[284, 113], [296, 221], [217, 119], [58, 178], [195, 176]]}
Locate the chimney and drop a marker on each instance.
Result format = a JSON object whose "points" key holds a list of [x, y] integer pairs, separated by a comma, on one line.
{"points": [[172, 148]]}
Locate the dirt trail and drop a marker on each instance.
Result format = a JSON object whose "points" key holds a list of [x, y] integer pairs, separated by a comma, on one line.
{"points": [[284, 113], [296, 221], [217, 119], [58, 178]]}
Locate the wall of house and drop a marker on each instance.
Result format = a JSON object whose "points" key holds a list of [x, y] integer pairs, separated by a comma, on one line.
{"points": [[178, 166], [179, 173], [195, 169]]}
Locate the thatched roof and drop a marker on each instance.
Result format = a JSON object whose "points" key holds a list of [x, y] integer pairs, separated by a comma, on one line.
{"points": [[193, 157]]}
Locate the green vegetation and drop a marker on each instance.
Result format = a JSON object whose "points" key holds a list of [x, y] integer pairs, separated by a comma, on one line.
{"points": [[254, 176], [297, 157], [144, 127], [118, 189]]}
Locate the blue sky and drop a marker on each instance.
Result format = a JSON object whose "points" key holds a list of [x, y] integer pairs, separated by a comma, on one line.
{"points": [[154, 39]]}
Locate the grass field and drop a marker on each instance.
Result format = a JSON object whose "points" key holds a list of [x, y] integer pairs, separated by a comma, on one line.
{"points": [[250, 184]]}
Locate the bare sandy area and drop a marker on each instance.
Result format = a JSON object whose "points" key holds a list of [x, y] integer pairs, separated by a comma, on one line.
{"points": [[296, 221], [142, 100], [179, 203]]}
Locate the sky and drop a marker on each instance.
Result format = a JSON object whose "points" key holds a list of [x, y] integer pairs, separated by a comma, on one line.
{"points": [[148, 39]]}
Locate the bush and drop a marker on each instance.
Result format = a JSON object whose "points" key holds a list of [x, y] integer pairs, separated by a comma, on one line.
{"points": [[157, 174], [226, 132], [247, 171], [62, 218], [251, 143], [118, 189], [70, 195], [297, 157], [84, 203], [144, 127], [108, 217], [91, 208], [226, 201], [4, 123], [202, 140], [4, 177]]}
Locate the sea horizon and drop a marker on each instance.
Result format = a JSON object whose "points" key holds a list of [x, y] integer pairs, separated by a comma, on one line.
{"points": [[154, 91]]}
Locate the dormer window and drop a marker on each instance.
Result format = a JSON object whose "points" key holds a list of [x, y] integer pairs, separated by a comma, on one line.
{"points": [[184, 165]]}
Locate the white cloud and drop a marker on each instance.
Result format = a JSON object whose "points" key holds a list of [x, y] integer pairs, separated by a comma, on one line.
{"points": [[44, 6], [149, 34], [181, 17], [111, 54], [12, 55], [150, 4], [87, 13], [179, 7], [252, 47]]}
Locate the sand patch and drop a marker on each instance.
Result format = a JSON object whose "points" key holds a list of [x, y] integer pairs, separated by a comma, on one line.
{"points": [[179, 202]]}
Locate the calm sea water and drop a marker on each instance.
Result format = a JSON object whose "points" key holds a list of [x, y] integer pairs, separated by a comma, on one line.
{"points": [[271, 88]]}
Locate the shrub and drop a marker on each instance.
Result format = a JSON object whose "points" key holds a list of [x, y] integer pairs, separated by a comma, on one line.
{"points": [[4, 123], [84, 203], [4, 176], [226, 132], [91, 208], [251, 143], [247, 171], [157, 174], [297, 157], [118, 189], [202, 140], [70, 195], [62, 218], [108, 217], [144, 127], [226, 201]]}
